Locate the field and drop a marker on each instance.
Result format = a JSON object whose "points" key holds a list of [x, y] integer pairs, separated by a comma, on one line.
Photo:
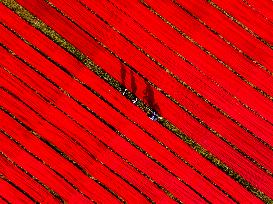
{"points": [[138, 101]]}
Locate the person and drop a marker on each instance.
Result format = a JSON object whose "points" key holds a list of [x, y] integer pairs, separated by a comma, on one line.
{"points": [[125, 90], [153, 116], [135, 100]]}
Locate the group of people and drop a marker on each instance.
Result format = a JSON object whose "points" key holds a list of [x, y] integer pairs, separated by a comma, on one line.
{"points": [[152, 115]]}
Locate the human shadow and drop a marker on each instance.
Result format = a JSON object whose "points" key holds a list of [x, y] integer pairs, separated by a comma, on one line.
{"points": [[133, 83], [123, 73], [150, 99]]}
